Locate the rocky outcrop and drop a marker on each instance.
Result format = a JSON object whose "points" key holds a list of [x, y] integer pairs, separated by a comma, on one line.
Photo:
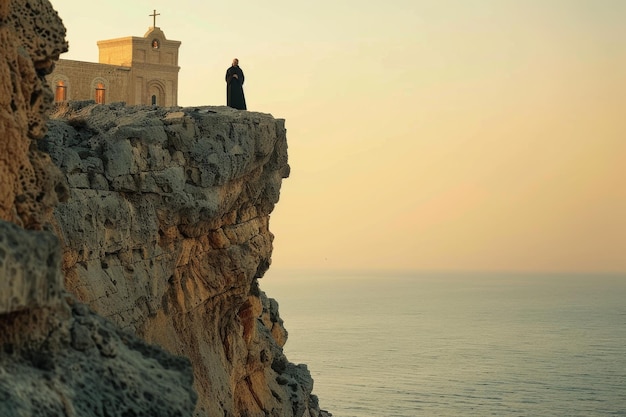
{"points": [[31, 38], [166, 233], [57, 357], [162, 227]]}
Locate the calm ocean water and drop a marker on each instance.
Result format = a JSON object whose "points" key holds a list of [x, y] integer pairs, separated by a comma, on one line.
{"points": [[458, 344]]}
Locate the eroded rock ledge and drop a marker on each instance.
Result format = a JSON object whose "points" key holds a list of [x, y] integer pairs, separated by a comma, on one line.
{"points": [[166, 233]]}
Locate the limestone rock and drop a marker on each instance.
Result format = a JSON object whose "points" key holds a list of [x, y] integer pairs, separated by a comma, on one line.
{"points": [[57, 357], [29, 269], [31, 37], [166, 232]]}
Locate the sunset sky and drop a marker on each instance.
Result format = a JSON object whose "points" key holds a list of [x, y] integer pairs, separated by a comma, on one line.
{"points": [[484, 135]]}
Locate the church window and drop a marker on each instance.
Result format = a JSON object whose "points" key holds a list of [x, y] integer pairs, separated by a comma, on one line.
{"points": [[60, 93], [154, 100], [100, 93]]}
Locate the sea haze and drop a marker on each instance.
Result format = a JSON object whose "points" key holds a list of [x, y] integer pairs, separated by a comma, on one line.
{"points": [[458, 344]]}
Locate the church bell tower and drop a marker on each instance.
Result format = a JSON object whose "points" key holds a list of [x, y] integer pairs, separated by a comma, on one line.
{"points": [[153, 64]]}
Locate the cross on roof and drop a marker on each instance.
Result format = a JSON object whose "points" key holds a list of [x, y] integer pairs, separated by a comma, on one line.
{"points": [[154, 15]]}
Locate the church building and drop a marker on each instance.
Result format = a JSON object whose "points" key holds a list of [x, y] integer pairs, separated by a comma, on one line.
{"points": [[132, 69]]}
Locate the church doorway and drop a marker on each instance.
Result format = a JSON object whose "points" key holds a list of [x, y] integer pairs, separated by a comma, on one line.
{"points": [[156, 93]]}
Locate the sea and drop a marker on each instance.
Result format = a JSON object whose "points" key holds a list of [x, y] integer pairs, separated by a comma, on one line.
{"points": [[458, 344]]}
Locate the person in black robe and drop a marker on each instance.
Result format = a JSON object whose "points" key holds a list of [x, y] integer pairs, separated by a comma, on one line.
{"points": [[234, 87]]}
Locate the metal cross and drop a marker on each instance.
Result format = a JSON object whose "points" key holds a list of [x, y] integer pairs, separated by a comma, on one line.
{"points": [[154, 15]]}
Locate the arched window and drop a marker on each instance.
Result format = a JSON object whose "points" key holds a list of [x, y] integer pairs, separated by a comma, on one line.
{"points": [[60, 93], [154, 100], [100, 93]]}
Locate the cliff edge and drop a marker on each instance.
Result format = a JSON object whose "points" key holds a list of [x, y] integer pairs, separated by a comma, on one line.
{"points": [[166, 233]]}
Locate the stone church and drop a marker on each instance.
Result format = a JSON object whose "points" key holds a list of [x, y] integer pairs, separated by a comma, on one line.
{"points": [[131, 69]]}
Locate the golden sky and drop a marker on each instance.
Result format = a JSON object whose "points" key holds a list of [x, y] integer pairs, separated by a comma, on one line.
{"points": [[485, 135]]}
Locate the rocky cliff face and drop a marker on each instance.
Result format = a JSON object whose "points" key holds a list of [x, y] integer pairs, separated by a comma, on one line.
{"points": [[161, 227], [166, 233], [57, 358], [31, 39]]}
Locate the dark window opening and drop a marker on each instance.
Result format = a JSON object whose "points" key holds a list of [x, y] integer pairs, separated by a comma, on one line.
{"points": [[154, 100]]}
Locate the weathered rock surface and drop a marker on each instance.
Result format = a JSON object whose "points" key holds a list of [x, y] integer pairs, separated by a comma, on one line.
{"points": [[57, 358], [166, 233], [31, 38], [164, 229], [30, 270]]}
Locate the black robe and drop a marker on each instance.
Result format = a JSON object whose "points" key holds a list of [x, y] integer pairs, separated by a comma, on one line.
{"points": [[234, 88]]}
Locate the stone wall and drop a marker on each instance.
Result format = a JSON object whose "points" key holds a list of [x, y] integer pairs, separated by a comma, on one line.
{"points": [[80, 79]]}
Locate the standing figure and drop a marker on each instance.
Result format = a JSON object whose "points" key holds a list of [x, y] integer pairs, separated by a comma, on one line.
{"points": [[234, 87]]}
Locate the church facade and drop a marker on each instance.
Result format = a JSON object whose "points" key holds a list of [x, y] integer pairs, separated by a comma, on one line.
{"points": [[135, 70]]}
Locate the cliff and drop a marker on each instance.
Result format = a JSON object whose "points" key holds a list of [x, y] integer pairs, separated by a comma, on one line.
{"points": [[57, 358], [132, 240], [166, 233]]}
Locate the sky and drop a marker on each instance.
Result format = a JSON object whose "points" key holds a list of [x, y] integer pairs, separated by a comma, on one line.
{"points": [[424, 135]]}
